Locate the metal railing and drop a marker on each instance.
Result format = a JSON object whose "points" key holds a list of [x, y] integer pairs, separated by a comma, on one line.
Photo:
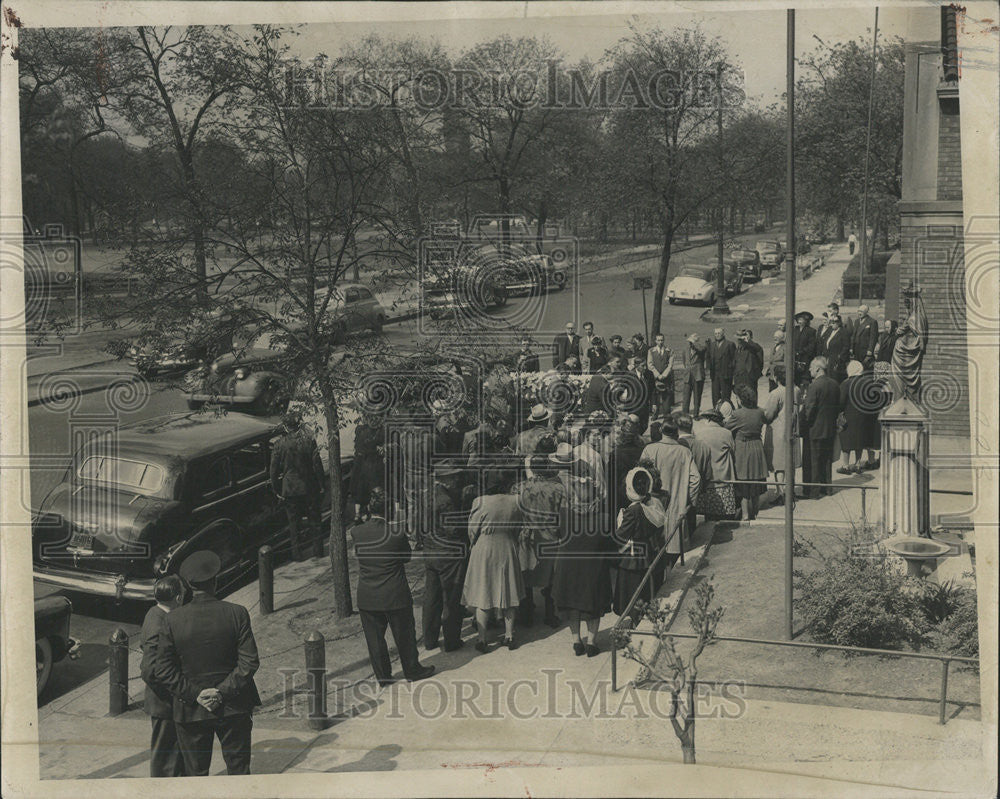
{"points": [[945, 660]]}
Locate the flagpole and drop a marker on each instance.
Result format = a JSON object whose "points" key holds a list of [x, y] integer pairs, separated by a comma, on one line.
{"points": [[868, 144], [790, 271]]}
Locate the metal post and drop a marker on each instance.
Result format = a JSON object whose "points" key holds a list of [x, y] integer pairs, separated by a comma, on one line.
{"points": [[645, 314], [118, 672], [721, 306], [265, 572], [614, 664], [944, 690], [315, 646], [868, 140], [864, 505], [790, 317]]}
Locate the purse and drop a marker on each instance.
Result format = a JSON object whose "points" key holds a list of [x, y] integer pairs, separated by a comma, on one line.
{"points": [[841, 422]]}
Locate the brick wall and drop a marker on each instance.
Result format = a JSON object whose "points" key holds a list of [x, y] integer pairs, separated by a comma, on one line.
{"points": [[933, 257], [949, 175]]}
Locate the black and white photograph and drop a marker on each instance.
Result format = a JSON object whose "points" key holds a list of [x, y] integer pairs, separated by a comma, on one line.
{"points": [[499, 399]]}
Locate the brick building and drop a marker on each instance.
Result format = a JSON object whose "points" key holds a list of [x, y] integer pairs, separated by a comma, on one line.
{"points": [[931, 215]]}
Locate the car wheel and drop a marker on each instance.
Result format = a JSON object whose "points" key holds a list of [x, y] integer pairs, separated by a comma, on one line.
{"points": [[711, 299], [558, 280], [43, 663], [194, 405], [672, 300]]}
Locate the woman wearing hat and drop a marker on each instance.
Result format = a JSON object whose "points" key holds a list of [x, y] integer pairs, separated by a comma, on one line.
{"points": [[581, 586], [717, 500], [774, 435], [493, 580], [541, 496], [368, 469], [640, 525], [861, 401], [746, 424]]}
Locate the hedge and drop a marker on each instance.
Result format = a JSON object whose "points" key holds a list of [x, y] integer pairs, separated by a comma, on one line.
{"points": [[874, 277]]}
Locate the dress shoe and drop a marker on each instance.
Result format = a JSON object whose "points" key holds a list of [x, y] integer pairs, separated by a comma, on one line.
{"points": [[510, 643], [386, 683], [579, 648], [452, 647], [422, 673], [592, 650], [482, 647], [552, 621], [429, 645], [845, 470]]}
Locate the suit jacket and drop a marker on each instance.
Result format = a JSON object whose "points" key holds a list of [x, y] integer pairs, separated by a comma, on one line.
{"points": [[693, 358], [777, 358], [864, 337], [721, 358], [748, 362], [659, 362], [645, 387], [586, 342], [563, 347], [208, 643], [296, 469], [383, 552], [527, 362], [702, 454], [159, 702], [805, 342], [679, 477], [594, 396], [837, 349], [821, 408]]}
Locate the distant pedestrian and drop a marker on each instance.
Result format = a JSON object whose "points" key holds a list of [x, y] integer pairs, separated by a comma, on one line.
{"points": [[852, 242], [207, 658], [297, 477], [164, 756], [384, 599]]}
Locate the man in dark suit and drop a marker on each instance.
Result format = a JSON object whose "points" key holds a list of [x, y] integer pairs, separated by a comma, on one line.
{"points": [[564, 345], [748, 363], [836, 347], [819, 412], [207, 657], [297, 477], [527, 361], [864, 337], [693, 359], [384, 598], [597, 393], [721, 358], [164, 757], [805, 346], [446, 553], [641, 383]]}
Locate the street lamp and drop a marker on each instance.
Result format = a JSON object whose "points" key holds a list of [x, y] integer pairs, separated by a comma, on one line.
{"points": [[721, 306]]}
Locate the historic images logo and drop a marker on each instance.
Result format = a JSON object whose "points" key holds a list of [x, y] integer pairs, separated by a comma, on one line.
{"points": [[547, 87]]}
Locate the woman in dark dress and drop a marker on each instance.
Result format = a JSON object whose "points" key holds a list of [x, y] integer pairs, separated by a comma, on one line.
{"points": [[746, 423], [597, 355], [861, 400], [581, 585], [883, 351], [640, 526], [368, 469]]}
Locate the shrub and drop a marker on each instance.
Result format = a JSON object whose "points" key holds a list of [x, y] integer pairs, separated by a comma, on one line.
{"points": [[861, 601], [874, 277], [958, 632]]}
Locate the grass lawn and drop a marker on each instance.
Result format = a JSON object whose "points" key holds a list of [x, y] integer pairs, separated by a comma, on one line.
{"points": [[747, 566]]}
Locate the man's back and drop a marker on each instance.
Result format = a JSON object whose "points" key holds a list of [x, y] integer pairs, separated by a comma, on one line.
{"points": [[822, 406], [382, 554], [296, 469], [211, 643], [158, 702]]}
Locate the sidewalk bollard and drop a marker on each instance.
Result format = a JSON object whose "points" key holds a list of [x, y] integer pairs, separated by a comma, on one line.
{"points": [[316, 676], [265, 571], [118, 672], [318, 543]]}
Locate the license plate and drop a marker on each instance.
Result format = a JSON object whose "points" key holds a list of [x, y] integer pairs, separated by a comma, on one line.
{"points": [[81, 542]]}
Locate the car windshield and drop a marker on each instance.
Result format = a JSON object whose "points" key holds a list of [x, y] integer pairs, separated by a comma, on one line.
{"points": [[767, 245], [136, 475], [700, 272]]}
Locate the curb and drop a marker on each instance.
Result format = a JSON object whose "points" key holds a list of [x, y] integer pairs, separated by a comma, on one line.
{"points": [[49, 400]]}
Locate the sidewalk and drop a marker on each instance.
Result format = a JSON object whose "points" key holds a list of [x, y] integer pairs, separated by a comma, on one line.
{"points": [[467, 715]]}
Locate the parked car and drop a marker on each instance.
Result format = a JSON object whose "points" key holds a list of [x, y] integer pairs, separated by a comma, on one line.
{"points": [[52, 639], [351, 308], [461, 288], [252, 381], [746, 262], [127, 513], [700, 284], [532, 273], [771, 253]]}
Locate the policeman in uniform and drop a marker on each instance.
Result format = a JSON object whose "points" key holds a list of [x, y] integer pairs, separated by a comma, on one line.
{"points": [[297, 477], [207, 657]]}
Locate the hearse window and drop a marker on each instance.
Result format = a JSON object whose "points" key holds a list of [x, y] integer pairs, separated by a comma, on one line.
{"points": [[250, 461], [132, 474], [212, 477]]}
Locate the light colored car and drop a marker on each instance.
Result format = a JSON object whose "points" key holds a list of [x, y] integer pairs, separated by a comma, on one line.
{"points": [[700, 284], [771, 253]]}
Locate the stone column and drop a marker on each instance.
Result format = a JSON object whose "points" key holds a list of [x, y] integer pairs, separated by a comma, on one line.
{"points": [[905, 488]]}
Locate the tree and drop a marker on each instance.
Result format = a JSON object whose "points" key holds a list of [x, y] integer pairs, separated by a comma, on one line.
{"points": [[668, 667], [655, 140]]}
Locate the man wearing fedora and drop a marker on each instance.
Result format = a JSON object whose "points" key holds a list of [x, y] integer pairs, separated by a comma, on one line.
{"points": [[384, 599], [538, 428], [721, 358], [207, 657], [748, 364], [297, 477], [693, 359]]}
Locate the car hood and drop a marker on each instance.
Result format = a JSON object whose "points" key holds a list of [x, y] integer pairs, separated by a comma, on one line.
{"points": [[687, 284]]}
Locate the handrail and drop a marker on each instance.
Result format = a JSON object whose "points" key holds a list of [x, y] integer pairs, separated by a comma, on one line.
{"points": [[839, 486]]}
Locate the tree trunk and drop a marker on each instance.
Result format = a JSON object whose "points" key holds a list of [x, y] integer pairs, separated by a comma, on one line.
{"points": [[338, 539], [840, 229], [687, 737], [661, 279]]}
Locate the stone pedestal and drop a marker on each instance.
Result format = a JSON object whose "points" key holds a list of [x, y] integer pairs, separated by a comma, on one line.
{"points": [[905, 488]]}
